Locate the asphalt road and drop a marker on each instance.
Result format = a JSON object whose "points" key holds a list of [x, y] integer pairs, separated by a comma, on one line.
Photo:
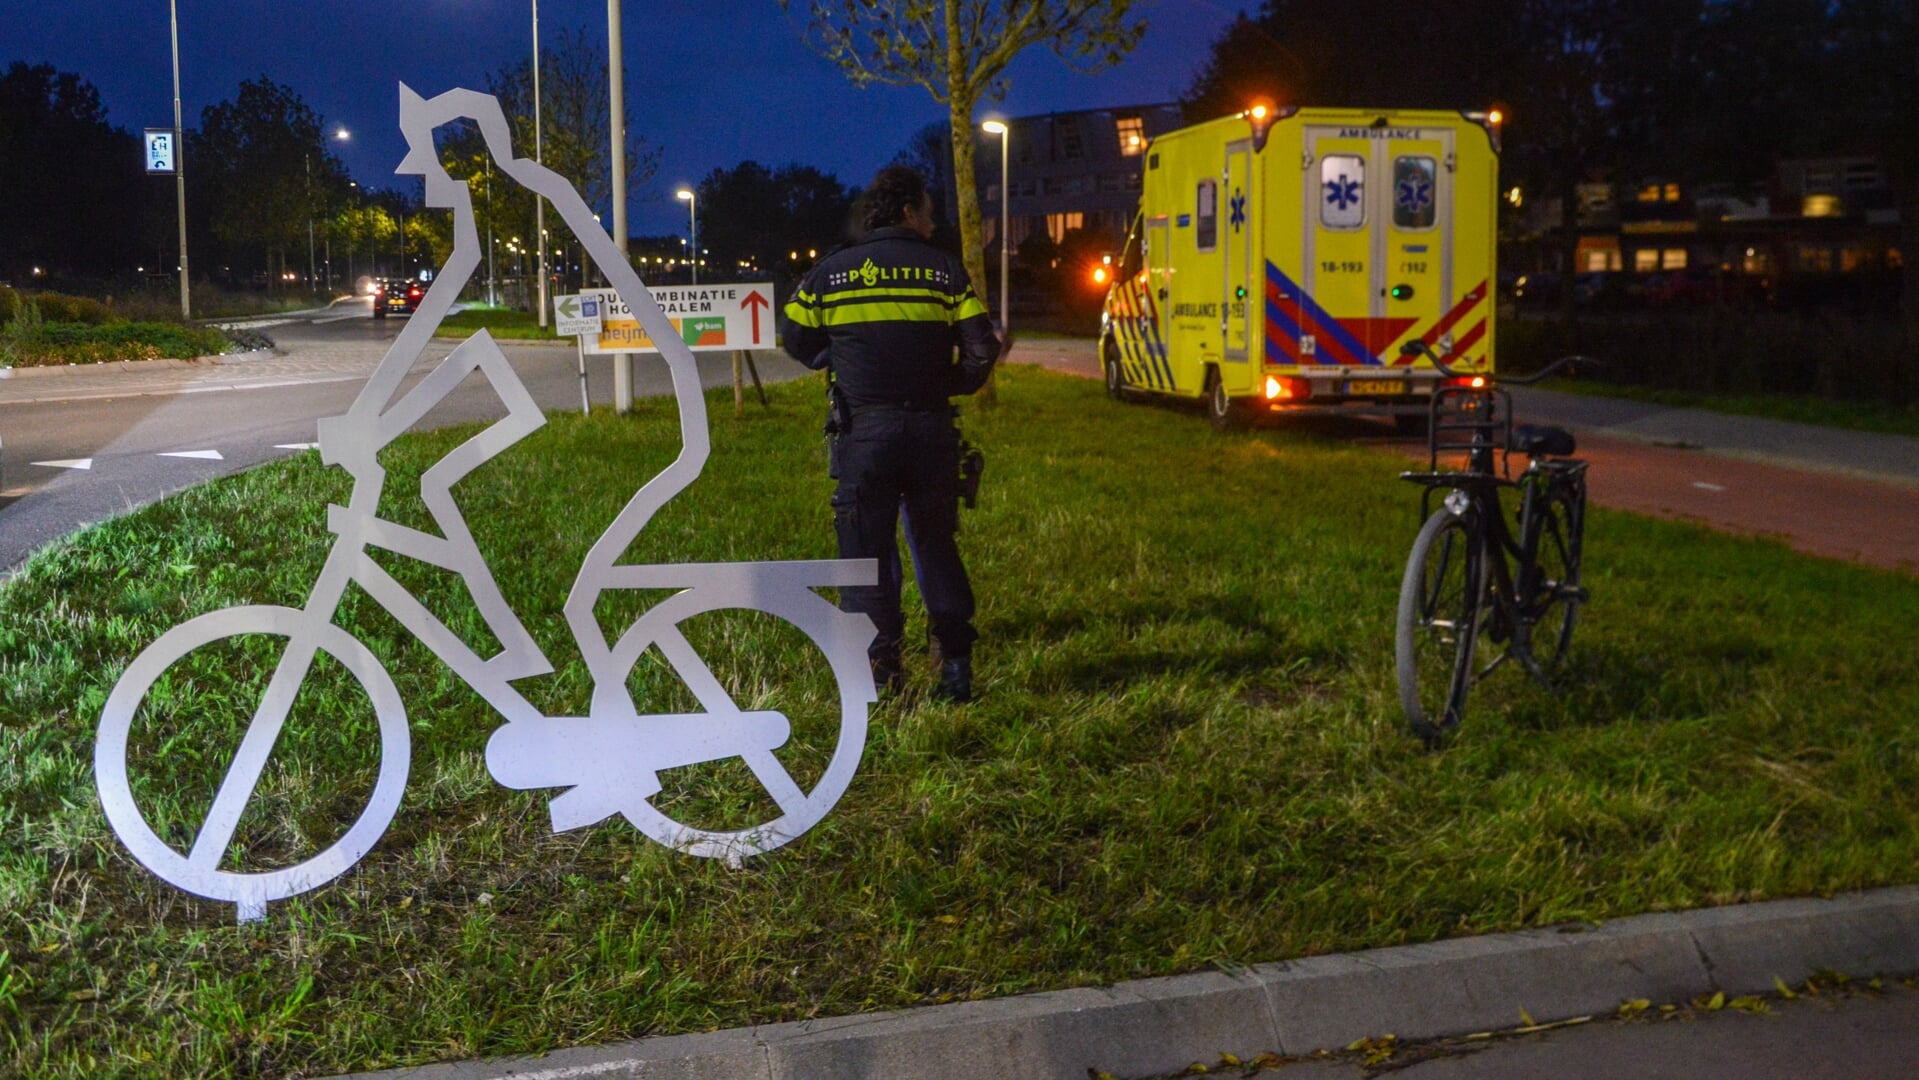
{"points": [[78, 447], [1859, 1035]]}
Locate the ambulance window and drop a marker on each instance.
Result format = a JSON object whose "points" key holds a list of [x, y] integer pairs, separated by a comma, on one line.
{"points": [[1415, 192], [1206, 219], [1130, 262], [1342, 191]]}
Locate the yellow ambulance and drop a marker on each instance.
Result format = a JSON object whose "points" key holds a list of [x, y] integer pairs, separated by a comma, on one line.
{"points": [[1281, 257]]}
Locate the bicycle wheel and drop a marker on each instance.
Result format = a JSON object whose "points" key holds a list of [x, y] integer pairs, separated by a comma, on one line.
{"points": [[1440, 603], [199, 872], [840, 637], [1556, 595]]}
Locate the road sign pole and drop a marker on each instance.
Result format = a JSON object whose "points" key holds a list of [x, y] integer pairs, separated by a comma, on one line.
{"points": [[739, 385], [579, 349]]}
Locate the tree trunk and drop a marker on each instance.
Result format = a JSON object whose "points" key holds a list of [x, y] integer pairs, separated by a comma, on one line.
{"points": [[1909, 277], [960, 99]]}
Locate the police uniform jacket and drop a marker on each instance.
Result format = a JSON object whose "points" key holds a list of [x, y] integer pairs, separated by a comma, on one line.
{"points": [[886, 313]]}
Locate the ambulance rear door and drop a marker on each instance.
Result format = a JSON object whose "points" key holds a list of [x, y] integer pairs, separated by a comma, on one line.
{"points": [[1377, 241]]}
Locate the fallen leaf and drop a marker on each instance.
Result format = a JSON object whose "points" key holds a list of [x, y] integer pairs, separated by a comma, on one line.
{"points": [[1634, 1007], [1751, 1003], [1717, 1001], [1229, 1061], [1526, 1018], [1784, 990], [83, 995], [947, 919]]}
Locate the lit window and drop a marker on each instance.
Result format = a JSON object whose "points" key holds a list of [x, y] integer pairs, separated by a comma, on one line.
{"points": [[1820, 206], [1132, 136], [1672, 192], [1645, 260], [1058, 225], [1672, 259], [1649, 193]]}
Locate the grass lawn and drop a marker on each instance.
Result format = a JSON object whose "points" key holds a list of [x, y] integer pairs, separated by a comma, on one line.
{"points": [[1800, 408], [504, 323], [1187, 754]]}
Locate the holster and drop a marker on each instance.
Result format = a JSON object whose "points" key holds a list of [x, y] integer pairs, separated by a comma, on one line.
{"points": [[972, 464], [839, 421]]}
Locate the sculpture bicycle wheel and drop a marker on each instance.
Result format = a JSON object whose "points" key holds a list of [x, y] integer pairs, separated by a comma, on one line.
{"points": [[198, 871], [841, 637]]}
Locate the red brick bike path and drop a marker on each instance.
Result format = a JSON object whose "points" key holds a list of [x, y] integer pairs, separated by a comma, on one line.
{"points": [[1818, 512]]}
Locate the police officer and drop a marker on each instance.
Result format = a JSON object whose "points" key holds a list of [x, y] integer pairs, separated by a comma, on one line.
{"points": [[885, 315]]}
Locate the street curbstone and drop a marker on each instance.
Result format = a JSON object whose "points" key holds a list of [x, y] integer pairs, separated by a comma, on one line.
{"points": [[1156, 1026], [1748, 946]]}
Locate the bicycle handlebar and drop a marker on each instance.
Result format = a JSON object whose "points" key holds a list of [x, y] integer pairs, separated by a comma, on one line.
{"points": [[1417, 347]]}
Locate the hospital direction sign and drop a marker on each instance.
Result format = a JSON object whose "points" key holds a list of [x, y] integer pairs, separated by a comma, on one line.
{"points": [[709, 318]]}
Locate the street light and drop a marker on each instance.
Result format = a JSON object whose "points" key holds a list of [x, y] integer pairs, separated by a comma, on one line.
{"points": [[539, 203], [179, 163], [693, 230], [996, 127], [341, 135]]}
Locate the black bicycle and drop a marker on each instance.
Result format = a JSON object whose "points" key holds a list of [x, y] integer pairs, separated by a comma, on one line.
{"points": [[1475, 574]]}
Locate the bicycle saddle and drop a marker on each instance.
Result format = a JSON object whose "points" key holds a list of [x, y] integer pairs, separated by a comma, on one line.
{"points": [[1540, 440]]}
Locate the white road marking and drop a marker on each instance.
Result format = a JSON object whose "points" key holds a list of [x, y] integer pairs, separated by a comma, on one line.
{"points": [[1703, 486], [340, 318], [69, 463], [203, 455]]}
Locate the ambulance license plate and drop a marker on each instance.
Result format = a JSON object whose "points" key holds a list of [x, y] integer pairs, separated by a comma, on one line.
{"points": [[1380, 387]]}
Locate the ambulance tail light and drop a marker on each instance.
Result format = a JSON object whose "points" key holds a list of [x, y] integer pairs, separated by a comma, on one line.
{"points": [[1283, 388], [1467, 382]]}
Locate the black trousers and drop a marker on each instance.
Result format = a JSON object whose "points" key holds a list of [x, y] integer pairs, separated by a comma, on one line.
{"points": [[897, 459]]}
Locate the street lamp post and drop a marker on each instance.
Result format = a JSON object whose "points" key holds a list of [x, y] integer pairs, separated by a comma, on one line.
{"points": [[179, 160], [996, 127], [616, 120], [539, 203], [693, 231]]}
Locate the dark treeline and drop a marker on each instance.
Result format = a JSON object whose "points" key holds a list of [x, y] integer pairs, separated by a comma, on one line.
{"points": [[1691, 91]]}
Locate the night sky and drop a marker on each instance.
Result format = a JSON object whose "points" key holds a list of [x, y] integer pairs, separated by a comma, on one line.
{"points": [[709, 83]]}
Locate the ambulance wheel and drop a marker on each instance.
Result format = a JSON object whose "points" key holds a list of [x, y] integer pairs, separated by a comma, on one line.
{"points": [[1225, 413], [1115, 378]]}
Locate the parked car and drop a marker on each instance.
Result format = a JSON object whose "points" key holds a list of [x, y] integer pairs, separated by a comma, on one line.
{"points": [[393, 294]]}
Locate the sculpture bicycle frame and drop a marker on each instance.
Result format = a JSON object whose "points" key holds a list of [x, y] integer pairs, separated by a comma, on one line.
{"points": [[609, 759]]}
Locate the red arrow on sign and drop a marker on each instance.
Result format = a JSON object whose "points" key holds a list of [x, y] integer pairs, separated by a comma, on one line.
{"points": [[753, 303]]}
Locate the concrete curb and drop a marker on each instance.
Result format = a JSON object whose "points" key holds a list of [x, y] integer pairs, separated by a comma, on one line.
{"points": [[1156, 1026]]}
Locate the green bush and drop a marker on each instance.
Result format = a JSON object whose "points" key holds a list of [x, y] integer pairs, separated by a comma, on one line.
{"points": [[9, 304], [29, 342], [62, 308]]}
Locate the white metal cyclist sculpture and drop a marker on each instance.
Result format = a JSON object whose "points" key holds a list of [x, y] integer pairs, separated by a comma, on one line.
{"points": [[608, 760]]}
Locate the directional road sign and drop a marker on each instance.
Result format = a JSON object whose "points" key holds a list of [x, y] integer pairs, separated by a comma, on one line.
{"points": [[710, 318], [576, 314]]}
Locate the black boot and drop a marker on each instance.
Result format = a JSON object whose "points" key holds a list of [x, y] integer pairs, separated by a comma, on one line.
{"points": [[956, 681], [889, 678]]}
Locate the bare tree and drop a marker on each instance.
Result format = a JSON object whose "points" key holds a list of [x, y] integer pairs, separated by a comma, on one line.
{"points": [[958, 50]]}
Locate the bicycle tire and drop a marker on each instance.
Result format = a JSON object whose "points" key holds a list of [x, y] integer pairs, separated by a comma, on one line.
{"points": [[1556, 578], [842, 638], [1441, 599], [251, 891]]}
